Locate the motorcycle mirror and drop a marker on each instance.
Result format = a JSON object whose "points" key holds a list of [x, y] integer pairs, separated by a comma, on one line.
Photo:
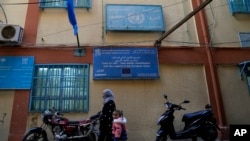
{"points": [[186, 101], [165, 96], [208, 106]]}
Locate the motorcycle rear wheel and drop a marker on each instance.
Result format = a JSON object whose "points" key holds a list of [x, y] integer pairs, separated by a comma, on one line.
{"points": [[210, 133], [34, 136], [159, 138]]}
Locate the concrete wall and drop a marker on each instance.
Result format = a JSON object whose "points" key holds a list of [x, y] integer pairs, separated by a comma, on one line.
{"points": [[235, 94], [6, 104], [13, 12], [141, 100], [55, 28], [224, 27]]}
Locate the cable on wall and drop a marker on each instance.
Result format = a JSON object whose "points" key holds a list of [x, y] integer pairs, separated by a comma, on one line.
{"points": [[6, 20]]}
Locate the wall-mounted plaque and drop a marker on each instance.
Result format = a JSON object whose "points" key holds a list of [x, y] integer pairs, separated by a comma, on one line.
{"points": [[125, 63], [120, 17], [16, 72]]}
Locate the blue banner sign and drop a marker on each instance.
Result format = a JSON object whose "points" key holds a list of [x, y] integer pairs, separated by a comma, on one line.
{"points": [[125, 63], [16, 72], [134, 18]]}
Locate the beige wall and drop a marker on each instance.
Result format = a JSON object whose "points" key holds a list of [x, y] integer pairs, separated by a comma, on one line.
{"points": [[235, 95], [55, 28], [141, 100], [6, 103], [16, 14], [224, 27]]}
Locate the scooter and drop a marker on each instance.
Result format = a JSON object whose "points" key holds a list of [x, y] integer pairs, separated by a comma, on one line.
{"points": [[198, 124]]}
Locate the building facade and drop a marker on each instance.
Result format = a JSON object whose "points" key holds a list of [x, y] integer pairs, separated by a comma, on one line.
{"points": [[204, 60]]}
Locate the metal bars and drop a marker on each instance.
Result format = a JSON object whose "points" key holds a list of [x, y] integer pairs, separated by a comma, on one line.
{"points": [[64, 87]]}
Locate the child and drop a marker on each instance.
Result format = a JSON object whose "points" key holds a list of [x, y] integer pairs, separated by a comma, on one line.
{"points": [[119, 126]]}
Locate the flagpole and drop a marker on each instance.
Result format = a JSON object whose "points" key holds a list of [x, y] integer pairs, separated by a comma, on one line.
{"points": [[72, 19], [77, 38]]}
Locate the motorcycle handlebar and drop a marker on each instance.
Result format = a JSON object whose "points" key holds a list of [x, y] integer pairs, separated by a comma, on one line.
{"points": [[176, 107], [58, 114], [180, 108], [95, 116]]}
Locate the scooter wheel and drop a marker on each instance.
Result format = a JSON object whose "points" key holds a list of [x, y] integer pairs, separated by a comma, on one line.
{"points": [[159, 138], [209, 133]]}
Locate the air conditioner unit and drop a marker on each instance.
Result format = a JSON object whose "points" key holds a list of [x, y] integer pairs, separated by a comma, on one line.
{"points": [[11, 34]]}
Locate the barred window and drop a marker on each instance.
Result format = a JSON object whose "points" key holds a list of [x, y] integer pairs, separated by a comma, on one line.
{"points": [[63, 3], [64, 87]]}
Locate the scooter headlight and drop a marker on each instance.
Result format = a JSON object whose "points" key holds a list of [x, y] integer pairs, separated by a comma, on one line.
{"points": [[160, 119], [166, 105]]}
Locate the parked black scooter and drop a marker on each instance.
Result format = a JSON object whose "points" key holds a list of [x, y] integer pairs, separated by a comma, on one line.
{"points": [[198, 124]]}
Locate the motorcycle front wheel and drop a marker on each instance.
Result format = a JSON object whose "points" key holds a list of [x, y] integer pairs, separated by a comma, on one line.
{"points": [[34, 136]]}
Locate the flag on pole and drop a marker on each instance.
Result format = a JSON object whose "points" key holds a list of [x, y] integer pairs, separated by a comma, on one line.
{"points": [[71, 15]]}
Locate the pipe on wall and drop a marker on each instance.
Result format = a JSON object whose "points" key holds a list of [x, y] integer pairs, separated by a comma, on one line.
{"points": [[210, 68]]}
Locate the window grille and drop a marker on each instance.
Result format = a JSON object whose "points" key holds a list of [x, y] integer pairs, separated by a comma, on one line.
{"points": [[244, 39], [245, 69], [63, 87], [63, 3]]}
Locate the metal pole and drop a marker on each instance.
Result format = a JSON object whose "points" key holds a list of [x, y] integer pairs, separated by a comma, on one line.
{"points": [[196, 10], [77, 38]]}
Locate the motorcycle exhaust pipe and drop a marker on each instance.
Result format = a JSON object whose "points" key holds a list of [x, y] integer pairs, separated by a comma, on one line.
{"points": [[77, 137], [63, 137]]}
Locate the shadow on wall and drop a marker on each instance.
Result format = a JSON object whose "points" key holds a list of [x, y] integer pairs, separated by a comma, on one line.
{"points": [[4, 115], [34, 120]]}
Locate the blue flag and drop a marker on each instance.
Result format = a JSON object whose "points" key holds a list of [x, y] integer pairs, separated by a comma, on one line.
{"points": [[71, 15]]}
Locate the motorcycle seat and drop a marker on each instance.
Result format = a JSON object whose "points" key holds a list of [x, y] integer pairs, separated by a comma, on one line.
{"points": [[192, 116]]}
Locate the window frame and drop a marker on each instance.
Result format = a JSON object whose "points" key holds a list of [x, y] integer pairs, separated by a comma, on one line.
{"points": [[244, 38], [57, 79], [239, 7], [43, 5], [244, 68]]}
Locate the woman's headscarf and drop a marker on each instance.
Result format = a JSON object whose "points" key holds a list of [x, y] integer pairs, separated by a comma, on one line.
{"points": [[107, 95]]}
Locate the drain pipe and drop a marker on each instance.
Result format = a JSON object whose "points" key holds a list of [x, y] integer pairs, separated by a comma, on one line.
{"points": [[103, 20], [211, 72]]}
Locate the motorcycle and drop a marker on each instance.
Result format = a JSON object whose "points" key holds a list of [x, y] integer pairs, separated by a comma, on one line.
{"points": [[198, 124], [63, 129]]}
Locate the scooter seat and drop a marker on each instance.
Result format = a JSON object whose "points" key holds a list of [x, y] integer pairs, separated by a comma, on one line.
{"points": [[192, 116]]}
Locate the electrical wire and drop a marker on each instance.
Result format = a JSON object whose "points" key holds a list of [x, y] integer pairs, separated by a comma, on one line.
{"points": [[6, 20]]}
